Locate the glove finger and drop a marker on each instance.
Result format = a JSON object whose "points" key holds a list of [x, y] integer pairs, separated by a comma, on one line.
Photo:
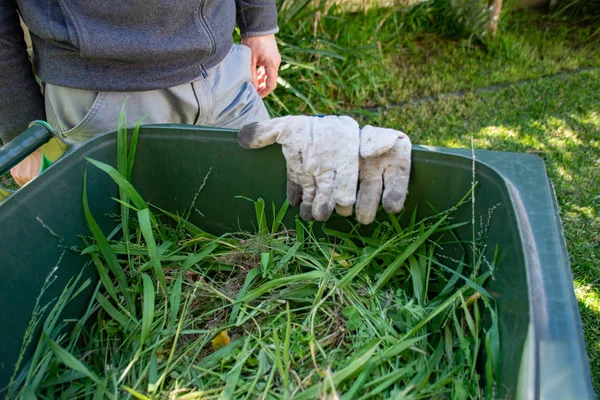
{"points": [[324, 202], [294, 192], [369, 194], [344, 211], [294, 187], [346, 182], [376, 141], [308, 194], [396, 177], [260, 134]]}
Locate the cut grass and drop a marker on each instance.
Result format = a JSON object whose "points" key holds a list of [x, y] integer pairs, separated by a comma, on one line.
{"points": [[275, 314]]}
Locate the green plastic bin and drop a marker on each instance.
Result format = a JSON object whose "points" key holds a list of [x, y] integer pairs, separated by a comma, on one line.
{"points": [[542, 347]]}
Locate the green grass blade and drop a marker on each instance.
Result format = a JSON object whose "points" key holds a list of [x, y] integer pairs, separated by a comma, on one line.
{"points": [[194, 259], [392, 269], [253, 273], [288, 86], [147, 307], [66, 358], [104, 278], [339, 376], [234, 375], [144, 218], [418, 279], [397, 349], [286, 349], [122, 182], [115, 314], [175, 300], [364, 262], [278, 220], [261, 217], [312, 276], [107, 253], [122, 168], [299, 230], [449, 302], [287, 257], [133, 148]]}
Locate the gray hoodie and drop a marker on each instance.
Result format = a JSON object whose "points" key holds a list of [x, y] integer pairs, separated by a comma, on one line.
{"points": [[115, 45]]}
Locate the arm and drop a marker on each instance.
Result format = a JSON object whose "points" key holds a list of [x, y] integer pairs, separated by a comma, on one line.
{"points": [[257, 20], [256, 17], [20, 98]]}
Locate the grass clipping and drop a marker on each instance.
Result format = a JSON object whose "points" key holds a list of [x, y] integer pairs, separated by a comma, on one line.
{"points": [[182, 314]]}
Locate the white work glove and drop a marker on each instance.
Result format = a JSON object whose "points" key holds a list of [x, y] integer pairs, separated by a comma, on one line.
{"points": [[385, 159], [322, 160]]}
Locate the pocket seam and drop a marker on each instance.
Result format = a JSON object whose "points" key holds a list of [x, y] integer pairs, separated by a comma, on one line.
{"points": [[247, 50], [78, 36], [87, 118]]}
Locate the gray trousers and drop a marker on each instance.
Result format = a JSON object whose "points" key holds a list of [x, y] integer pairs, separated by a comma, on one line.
{"points": [[225, 98]]}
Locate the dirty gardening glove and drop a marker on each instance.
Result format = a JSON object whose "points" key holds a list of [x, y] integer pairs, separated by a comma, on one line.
{"points": [[384, 167], [322, 160]]}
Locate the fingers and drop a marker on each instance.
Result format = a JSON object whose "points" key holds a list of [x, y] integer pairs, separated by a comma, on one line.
{"points": [[27, 169], [396, 188], [344, 211], [369, 194], [346, 182], [396, 177], [294, 192], [308, 194], [324, 202], [377, 141], [254, 72], [271, 81], [262, 78], [264, 54], [260, 134]]}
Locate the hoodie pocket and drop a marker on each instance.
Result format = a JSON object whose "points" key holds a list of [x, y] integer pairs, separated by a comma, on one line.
{"points": [[139, 30], [72, 35]]}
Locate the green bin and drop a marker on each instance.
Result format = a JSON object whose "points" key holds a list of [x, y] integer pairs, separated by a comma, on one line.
{"points": [[541, 341]]}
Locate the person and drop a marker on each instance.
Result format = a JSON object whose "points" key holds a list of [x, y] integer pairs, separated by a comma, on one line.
{"points": [[175, 62], [168, 62]]}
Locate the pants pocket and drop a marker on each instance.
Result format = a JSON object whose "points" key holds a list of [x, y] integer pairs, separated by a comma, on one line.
{"points": [[71, 111]]}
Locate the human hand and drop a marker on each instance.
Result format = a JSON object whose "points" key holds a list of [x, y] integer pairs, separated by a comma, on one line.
{"points": [[264, 54], [321, 156], [28, 168], [385, 160]]}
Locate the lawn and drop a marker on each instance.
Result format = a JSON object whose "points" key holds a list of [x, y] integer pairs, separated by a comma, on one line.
{"points": [[536, 89]]}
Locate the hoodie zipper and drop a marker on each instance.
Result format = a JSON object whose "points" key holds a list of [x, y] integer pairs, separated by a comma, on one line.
{"points": [[210, 36]]}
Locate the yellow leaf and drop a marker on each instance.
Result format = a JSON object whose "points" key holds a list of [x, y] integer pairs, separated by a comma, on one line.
{"points": [[136, 394], [221, 340], [342, 260]]}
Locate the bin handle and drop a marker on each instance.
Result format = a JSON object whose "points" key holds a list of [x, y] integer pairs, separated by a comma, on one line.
{"points": [[38, 133]]}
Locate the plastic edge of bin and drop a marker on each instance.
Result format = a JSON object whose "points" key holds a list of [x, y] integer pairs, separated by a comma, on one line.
{"points": [[553, 351]]}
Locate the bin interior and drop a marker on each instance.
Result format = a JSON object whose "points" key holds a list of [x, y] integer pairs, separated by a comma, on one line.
{"points": [[172, 162]]}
